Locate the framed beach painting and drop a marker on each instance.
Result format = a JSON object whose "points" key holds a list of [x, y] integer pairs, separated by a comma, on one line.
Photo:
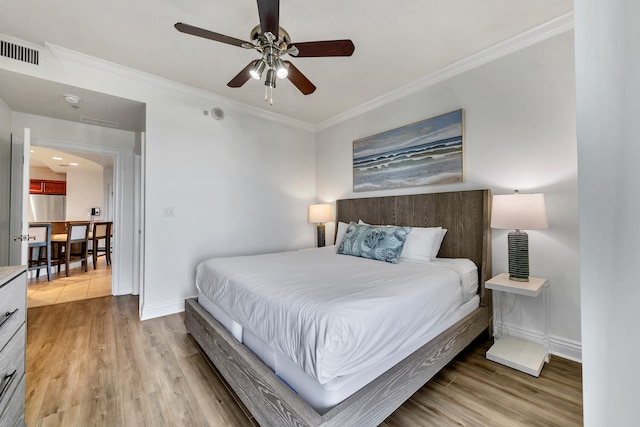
{"points": [[422, 153]]}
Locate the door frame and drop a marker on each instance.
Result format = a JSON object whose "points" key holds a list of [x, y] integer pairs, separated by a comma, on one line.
{"points": [[118, 188]]}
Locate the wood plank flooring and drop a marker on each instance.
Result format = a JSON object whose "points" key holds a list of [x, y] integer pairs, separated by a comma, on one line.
{"points": [[93, 362]]}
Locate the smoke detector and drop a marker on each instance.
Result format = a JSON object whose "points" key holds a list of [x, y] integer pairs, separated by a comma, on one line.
{"points": [[216, 113], [71, 99]]}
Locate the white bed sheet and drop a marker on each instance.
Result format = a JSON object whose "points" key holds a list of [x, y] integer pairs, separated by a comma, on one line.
{"points": [[335, 328], [323, 397]]}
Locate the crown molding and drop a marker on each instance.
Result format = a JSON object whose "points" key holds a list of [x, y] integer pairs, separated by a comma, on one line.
{"points": [[77, 58], [530, 37], [21, 42]]}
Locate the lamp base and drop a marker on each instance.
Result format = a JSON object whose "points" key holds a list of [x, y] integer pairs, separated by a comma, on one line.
{"points": [[321, 242], [518, 256]]}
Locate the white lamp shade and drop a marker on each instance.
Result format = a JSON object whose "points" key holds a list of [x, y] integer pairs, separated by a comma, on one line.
{"points": [[519, 212], [320, 213]]}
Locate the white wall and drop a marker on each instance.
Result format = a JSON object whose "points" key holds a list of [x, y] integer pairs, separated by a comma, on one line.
{"points": [[5, 159], [519, 134], [237, 186], [39, 172], [608, 99], [85, 190]]}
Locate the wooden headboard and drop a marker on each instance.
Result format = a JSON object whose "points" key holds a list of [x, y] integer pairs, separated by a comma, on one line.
{"points": [[465, 214]]}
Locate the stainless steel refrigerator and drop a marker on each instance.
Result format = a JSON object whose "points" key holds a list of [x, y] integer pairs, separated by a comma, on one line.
{"points": [[46, 208]]}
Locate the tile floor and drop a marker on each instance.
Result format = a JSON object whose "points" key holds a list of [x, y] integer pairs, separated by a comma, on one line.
{"points": [[79, 285]]}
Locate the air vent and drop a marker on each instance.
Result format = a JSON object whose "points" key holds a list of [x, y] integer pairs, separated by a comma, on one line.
{"points": [[20, 53], [92, 121]]}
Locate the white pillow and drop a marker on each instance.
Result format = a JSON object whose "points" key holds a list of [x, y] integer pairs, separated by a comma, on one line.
{"points": [[421, 244], [437, 243], [342, 230]]}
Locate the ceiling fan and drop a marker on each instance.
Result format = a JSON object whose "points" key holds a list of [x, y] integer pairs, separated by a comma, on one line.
{"points": [[273, 42]]}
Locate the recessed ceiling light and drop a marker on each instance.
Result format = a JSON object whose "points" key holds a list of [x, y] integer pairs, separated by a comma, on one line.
{"points": [[73, 164], [57, 158], [71, 99]]}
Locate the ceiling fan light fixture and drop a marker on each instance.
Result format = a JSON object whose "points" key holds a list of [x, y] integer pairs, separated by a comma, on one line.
{"points": [[270, 81], [272, 41], [281, 69], [257, 69], [269, 57]]}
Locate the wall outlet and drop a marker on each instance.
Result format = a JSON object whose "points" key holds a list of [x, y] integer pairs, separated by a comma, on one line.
{"points": [[168, 211]]}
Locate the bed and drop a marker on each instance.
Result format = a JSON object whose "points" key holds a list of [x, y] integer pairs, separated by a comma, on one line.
{"points": [[248, 365]]}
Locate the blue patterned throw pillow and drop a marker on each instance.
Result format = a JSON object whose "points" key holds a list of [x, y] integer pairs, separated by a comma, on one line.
{"points": [[383, 243]]}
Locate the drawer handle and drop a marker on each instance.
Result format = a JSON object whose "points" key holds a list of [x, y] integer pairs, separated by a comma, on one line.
{"points": [[7, 315], [6, 382]]}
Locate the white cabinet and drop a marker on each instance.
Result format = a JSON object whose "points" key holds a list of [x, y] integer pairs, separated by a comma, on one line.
{"points": [[13, 316]]}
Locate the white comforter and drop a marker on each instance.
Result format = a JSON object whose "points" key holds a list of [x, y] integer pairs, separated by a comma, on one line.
{"points": [[331, 314]]}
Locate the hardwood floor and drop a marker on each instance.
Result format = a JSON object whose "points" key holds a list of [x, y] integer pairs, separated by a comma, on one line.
{"points": [[79, 285], [92, 362]]}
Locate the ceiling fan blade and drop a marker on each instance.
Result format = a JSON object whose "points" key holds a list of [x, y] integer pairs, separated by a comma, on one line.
{"points": [[323, 48], [195, 31], [303, 84], [242, 77], [269, 11]]}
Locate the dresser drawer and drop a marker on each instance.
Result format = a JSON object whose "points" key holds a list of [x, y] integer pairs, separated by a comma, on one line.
{"points": [[13, 414], [13, 303], [12, 367]]}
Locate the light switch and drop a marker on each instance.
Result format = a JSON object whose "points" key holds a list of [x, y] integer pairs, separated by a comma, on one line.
{"points": [[168, 211]]}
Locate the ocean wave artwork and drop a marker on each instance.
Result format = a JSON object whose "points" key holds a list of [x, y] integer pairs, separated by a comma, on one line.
{"points": [[422, 153]]}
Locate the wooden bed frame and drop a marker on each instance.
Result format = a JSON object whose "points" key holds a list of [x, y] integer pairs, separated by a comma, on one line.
{"points": [[466, 216]]}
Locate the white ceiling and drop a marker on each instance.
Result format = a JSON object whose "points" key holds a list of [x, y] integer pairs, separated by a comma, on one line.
{"points": [[396, 43], [61, 161], [26, 94]]}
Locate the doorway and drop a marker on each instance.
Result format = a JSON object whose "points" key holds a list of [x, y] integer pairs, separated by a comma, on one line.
{"points": [[87, 179]]}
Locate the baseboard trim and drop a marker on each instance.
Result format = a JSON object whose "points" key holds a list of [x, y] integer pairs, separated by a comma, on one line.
{"points": [[558, 346], [159, 310], [565, 348]]}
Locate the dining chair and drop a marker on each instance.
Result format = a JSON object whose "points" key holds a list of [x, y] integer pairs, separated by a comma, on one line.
{"points": [[74, 248], [101, 234], [39, 241]]}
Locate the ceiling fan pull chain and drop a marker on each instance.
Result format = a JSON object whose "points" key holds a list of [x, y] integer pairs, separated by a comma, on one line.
{"points": [[268, 95]]}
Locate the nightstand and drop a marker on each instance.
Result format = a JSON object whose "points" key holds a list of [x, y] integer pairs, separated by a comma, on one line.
{"points": [[516, 353]]}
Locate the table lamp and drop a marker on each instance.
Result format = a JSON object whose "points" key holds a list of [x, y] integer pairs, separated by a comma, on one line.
{"points": [[320, 214], [519, 212]]}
